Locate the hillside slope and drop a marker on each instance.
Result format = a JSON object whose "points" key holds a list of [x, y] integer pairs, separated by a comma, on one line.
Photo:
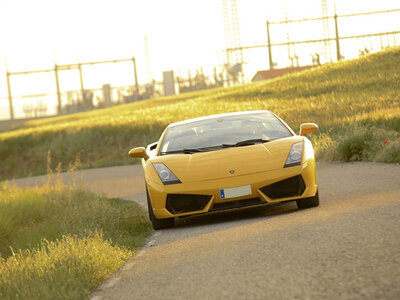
{"points": [[356, 103]]}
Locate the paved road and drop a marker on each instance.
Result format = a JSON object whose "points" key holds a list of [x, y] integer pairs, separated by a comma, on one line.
{"points": [[347, 248]]}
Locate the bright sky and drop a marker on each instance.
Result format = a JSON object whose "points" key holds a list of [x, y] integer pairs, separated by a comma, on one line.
{"points": [[182, 34]]}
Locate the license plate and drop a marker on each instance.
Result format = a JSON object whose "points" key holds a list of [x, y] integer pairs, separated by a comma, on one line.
{"points": [[235, 192]]}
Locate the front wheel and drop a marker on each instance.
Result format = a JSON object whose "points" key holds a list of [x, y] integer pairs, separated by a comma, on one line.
{"points": [[308, 202], [158, 223]]}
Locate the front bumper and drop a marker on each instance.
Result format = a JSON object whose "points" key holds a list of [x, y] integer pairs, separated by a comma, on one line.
{"points": [[209, 190]]}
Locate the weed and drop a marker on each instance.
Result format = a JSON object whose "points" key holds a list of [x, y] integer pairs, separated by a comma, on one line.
{"points": [[59, 242], [67, 268]]}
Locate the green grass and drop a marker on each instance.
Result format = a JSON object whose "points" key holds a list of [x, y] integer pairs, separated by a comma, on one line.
{"points": [[59, 242], [355, 103]]}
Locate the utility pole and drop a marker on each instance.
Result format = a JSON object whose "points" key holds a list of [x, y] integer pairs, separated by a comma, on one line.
{"points": [[291, 47], [325, 21], [82, 86], [10, 101], [337, 38], [234, 51], [135, 74], [271, 63], [59, 108]]}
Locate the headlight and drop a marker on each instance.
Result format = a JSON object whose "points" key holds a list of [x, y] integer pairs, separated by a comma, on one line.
{"points": [[295, 155], [166, 176]]}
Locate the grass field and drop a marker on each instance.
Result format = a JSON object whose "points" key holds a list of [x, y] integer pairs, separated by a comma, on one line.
{"points": [[59, 242], [356, 103]]}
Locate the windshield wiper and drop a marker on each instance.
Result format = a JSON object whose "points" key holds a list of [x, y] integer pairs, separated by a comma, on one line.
{"points": [[246, 143], [185, 151], [213, 148]]}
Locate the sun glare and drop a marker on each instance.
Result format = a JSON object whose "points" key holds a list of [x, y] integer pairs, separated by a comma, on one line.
{"points": [[182, 36]]}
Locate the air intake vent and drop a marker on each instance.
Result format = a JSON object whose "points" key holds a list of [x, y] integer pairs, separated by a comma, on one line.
{"points": [[290, 187], [237, 204], [181, 203]]}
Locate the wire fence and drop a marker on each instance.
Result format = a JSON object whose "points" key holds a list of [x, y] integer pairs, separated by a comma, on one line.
{"points": [[348, 36]]}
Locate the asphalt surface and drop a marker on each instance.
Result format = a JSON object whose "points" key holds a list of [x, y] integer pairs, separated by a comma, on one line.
{"points": [[347, 248]]}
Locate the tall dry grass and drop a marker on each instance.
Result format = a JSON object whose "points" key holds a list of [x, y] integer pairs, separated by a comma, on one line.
{"points": [[60, 242]]}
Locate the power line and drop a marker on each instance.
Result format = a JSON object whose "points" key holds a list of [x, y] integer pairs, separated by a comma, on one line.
{"points": [[317, 40], [339, 16]]}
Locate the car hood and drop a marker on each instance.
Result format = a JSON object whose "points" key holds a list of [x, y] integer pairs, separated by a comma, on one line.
{"points": [[222, 163]]}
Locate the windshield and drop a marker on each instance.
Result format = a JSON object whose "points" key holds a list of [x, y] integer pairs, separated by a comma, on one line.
{"points": [[216, 133]]}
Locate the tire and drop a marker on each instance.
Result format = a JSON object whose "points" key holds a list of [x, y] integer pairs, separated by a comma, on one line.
{"points": [[158, 223], [308, 202]]}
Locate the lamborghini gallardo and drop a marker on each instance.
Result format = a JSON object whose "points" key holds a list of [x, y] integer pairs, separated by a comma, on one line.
{"points": [[227, 161]]}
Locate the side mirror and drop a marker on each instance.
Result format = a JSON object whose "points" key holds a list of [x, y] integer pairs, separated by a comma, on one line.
{"points": [[306, 128], [139, 152]]}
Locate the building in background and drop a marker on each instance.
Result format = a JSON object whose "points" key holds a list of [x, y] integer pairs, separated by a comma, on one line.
{"points": [[169, 83]]}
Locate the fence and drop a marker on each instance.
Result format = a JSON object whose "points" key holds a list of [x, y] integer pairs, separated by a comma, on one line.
{"points": [[314, 50], [72, 100]]}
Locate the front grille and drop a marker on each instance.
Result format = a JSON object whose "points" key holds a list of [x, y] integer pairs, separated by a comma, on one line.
{"points": [[236, 204], [290, 187], [181, 203]]}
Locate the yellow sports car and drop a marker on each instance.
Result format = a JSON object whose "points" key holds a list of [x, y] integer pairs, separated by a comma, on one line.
{"points": [[227, 161]]}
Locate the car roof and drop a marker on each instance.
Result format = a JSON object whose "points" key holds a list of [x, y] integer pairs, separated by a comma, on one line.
{"points": [[239, 113]]}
